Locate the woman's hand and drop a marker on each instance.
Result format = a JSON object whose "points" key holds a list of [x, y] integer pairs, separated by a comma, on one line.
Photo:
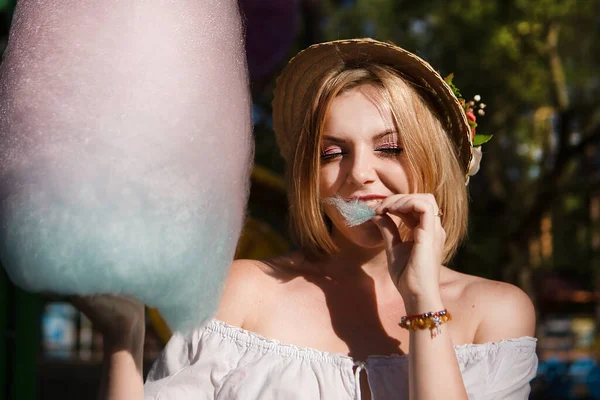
{"points": [[121, 320], [122, 323], [415, 257]]}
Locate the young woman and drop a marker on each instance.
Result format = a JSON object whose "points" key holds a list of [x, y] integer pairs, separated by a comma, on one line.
{"points": [[358, 311]]}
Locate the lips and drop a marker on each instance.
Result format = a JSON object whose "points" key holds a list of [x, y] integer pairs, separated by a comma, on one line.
{"points": [[369, 197], [371, 200]]}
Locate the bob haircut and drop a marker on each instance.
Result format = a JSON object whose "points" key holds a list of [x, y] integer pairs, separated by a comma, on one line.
{"points": [[431, 154]]}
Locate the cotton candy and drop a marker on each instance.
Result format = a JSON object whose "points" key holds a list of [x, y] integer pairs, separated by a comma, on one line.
{"points": [[125, 150], [355, 211]]}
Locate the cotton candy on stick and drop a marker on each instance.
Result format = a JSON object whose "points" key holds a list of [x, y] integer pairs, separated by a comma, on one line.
{"points": [[125, 150]]}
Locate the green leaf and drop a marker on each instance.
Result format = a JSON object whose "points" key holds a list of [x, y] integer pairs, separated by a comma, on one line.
{"points": [[448, 80], [481, 139]]}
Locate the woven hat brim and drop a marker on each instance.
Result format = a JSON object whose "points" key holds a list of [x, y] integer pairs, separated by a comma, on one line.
{"points": [[306, 70]]}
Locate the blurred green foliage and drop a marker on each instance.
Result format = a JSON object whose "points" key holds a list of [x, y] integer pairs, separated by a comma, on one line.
{"points": [[535, 65], [7, 6]]}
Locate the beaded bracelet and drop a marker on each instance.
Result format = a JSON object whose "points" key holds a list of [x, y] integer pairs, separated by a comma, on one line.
{"points": [[428, 320]]}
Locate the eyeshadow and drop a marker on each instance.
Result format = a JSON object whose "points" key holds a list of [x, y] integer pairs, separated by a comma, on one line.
{"points": [[355, 211]]}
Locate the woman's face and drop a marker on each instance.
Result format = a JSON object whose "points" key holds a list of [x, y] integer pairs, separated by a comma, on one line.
{"points": [[361, 157]]}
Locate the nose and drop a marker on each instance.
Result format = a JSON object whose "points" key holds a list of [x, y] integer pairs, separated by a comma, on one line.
{"points": [[362, 168]]}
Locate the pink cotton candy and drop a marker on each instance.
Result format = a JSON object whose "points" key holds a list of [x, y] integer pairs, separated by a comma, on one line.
{"points": [[125, 150]]}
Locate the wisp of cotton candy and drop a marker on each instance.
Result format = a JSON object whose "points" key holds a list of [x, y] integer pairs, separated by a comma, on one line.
{"points": [[354, 211], [125, 150]]}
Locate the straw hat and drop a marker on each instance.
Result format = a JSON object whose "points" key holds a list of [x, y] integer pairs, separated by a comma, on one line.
{"points": [[300, 80]]}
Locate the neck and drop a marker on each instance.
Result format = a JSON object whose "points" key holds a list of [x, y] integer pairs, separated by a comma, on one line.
{"points": [[355, 263]]}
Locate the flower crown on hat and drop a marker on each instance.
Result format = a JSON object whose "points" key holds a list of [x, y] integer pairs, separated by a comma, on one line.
{"points": [[476, 139]]}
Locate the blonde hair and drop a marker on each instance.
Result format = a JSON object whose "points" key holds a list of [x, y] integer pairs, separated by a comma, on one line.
{"points": [[431, 154]]}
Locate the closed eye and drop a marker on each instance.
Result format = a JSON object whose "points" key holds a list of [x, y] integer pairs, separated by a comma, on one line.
{"points": [[330, 156], [330, 152], [390, 150]]}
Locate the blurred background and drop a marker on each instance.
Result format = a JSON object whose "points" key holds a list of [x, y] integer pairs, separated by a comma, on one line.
{"points": [[535, 206]]}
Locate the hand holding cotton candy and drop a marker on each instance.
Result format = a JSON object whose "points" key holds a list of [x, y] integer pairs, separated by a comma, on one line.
{"points": [[125, 150]]}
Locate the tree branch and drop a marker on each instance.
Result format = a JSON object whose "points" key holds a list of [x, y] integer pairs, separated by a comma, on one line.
{"points": [[548, 189], [558, 73]]}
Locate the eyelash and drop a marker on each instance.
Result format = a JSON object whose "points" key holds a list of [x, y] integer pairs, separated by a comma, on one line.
{"points": [[387, 151], [391, 150], [330, 156]]}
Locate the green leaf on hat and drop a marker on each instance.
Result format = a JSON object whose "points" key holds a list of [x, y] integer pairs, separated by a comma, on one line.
{"points": [[448, 80], [481, 139]]}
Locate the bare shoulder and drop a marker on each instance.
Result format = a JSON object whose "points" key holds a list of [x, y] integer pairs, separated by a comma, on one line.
{"points": [[241, 292], [505, 311], [249, 283]]}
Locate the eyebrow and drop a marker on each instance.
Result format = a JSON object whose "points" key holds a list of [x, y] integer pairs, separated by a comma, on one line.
{"points": [[385, 133], [376, 137]]}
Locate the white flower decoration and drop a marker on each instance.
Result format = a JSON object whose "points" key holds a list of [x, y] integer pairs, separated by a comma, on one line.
{"points": [[475, 161]]}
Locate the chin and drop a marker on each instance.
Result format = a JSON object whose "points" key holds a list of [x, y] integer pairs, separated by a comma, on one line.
{"points": [[371, 242], [366, 235]]}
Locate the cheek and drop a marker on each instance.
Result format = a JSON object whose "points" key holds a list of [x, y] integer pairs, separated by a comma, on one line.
{"points": [[327, 182], [330, 212], [408, 175], [399, 178]]}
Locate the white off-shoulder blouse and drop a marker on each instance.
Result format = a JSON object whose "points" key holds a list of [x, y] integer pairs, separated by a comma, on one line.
{"points": [[220, 361]]}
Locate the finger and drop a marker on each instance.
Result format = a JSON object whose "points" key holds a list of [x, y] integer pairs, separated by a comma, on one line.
{"points": [[92, 304], [428, 197], [426, 227], [417, 211], [389, 231], [390, 201], [409, 219], [87, 305], [441, 238], [81, 302], [76, 302]]}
